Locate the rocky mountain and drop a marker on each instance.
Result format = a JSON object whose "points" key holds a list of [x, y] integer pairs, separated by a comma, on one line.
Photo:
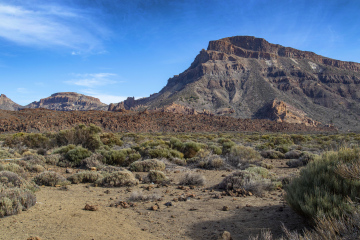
{"points": [[248, 77], [69, 101], [7, 104]]}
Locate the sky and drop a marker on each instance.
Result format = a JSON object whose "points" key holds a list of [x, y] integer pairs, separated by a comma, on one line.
{"points": [[114, 49]]}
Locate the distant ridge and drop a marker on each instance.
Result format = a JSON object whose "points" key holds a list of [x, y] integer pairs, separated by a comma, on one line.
{"points": [[7, 104], [69, 101]]}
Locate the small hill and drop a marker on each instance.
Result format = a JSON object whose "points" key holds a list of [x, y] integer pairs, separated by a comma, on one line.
{"points": [[69, 101], [7, 104]]}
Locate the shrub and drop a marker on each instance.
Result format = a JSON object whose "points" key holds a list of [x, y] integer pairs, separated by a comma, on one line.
{"points": [[52, 159], [85, 177], [11, 180], [320, 191], [64, 149], [226, 146], [156, 177], [147, 165], [176, 143], [15, 200], [263, 172], [139, 196], [12, 167], [190, 149], [80, 135], [241, 156], [95, 160], [50, 178], [192, 179], [35, 159], [4, 154], [118, 179], [110, 139], [272, 154], [250, 181], [215, 149], [122, 157], [211, 161], [302, 161], [293, 154], [77, 154], [35, 168]]}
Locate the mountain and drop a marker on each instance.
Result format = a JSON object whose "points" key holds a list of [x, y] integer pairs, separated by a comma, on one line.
{"points": [[7, 104], [248, 77], [69, 101]]}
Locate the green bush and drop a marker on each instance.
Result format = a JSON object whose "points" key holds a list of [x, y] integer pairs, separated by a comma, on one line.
{"points": [[110, 139], [156, 177], [85, 177], [118, 179], [147, 165], [50, 178], [190, 149], [241, 156], [176, 144], [77, 154], [123, 157], [320, 191], [226, 146], [64, 149], [80, 135]]}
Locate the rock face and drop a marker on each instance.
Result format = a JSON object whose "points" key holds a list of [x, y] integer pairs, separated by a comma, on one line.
{"points": [[7, 104], [248, 77], [69, 101]]}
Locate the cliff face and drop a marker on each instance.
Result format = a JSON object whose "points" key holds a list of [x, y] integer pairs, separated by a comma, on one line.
{"points": [[7, 104], [69, 101], [242, 76]]}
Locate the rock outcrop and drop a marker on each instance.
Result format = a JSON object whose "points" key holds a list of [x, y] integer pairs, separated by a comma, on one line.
{"points": [[69, 101], [7, 104], [241, 76]]}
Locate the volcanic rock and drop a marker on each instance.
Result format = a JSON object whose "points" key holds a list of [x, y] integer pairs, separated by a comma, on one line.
{"points": [[248, 77], [69, 101], [7, 104]]}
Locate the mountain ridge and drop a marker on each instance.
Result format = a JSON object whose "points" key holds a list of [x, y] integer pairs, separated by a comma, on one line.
{"points": [[241, 77]]}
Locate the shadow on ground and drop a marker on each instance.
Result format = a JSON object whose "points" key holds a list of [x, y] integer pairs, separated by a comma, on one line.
{"points": [[250, 221]]}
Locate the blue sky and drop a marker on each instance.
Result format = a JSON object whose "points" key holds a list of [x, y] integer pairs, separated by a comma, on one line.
{"points": [[115, 49]]}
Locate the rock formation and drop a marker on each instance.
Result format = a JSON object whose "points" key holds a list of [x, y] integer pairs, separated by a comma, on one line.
{"points": [[242, 77], [69, 101], [7, 104]]}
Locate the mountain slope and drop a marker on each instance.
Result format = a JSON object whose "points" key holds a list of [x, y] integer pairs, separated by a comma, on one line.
{"points": [[245, 76], [69, 101], [7, 104]]}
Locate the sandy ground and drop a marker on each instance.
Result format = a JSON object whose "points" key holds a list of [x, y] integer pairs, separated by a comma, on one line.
{"points": [[60, 214]]}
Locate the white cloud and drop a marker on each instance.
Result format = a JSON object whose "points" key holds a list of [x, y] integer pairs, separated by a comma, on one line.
{"points": [[92, 80], [50, 25], [105, 98]]}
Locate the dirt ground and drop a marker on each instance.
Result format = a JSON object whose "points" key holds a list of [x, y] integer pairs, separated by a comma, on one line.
{"points": [[60, 214]]}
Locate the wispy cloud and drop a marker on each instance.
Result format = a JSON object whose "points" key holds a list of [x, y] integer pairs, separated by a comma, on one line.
{"points": [[105, 98], [49, 26], [22, 90], [92, 80]]}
